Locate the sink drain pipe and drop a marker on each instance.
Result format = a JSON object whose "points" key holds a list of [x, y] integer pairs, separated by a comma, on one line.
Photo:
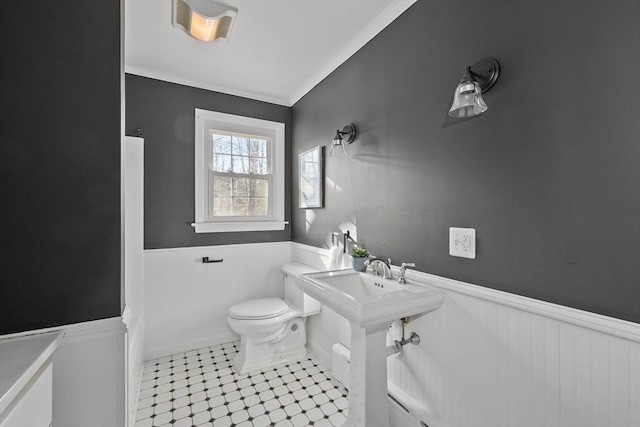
{"points": [[397, 346]]}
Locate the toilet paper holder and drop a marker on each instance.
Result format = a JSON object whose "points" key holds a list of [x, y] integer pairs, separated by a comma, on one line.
{"points": [[206, 260]]}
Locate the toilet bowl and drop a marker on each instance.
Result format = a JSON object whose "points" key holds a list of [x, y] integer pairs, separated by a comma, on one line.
{"points": [[272, 330]]}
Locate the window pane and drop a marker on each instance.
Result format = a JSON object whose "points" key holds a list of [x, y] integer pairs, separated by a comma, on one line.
{"points": [[258, 166], [221, 144], [259, 207], [222, 206], [258, 147], [221, 163], [241, 186], [241, 206], [240, 146], [260, 188], [221, 186], [240, 164], [232, 158]]}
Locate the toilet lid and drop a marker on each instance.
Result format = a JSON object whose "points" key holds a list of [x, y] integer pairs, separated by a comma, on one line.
{"points": [[262, 308]]}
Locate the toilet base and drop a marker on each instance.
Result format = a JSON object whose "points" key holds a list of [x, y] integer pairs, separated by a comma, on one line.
{"points": [[240, 365], [257, 353]]}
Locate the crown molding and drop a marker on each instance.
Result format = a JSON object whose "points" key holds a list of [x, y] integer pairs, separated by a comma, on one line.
{"points": [[158, 75]]}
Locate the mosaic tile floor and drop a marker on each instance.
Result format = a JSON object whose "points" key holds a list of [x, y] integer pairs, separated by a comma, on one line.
{"points": [[199, 388]]}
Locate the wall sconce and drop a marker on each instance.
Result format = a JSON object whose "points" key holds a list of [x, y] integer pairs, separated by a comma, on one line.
{"points": [[338, 141], [477, 79], [205, 20]]}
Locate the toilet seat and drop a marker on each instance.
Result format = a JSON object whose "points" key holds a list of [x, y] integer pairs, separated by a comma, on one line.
{"points": [[256, 309]]}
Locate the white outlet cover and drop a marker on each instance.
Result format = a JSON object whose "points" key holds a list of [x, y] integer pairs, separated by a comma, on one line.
{"points": [[462, 242]]}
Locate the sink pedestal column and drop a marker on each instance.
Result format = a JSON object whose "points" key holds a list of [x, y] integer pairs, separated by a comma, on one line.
{"points": [[368, 402]]}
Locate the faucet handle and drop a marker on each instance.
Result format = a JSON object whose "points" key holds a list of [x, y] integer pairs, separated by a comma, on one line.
{"points": [[403, 268]]}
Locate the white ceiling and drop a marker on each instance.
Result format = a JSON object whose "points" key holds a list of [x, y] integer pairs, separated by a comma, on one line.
{"points": [[278, 49]]}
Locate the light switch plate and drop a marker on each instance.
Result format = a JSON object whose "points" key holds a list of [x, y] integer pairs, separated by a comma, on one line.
{"points": [[462, 242]]}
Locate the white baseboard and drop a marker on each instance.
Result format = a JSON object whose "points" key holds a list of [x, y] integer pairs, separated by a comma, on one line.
{"points": [[405, 411], [319, 351], [158, 352]]}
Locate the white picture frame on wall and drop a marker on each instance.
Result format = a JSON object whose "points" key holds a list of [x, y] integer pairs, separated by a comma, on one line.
{"points": [[311, 178]]}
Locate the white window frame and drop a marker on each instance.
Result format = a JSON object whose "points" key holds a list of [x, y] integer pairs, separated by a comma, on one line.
{"points": [[205, 122]]}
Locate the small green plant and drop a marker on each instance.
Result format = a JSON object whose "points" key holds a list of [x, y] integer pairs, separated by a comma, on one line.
{"points": [[359, 252]]}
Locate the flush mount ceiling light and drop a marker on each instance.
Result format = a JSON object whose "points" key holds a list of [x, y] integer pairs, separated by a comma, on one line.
{"points": [[338, 141], [205, 20], [477, 79]]}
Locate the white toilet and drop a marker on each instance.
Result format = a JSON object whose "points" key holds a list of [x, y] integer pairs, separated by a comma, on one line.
{"points": [[272, 330]]}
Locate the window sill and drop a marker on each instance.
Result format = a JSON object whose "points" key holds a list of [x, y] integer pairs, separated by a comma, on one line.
{"points": [[225, 227]]}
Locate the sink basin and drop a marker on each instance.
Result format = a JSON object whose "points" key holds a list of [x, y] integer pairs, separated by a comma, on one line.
{"points": [[371, 304], [368, 300]]}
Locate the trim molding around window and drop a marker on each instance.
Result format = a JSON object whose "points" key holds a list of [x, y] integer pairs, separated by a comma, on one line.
{"points": [[205, 123]]}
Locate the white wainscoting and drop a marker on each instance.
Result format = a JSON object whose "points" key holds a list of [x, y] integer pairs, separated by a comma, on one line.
{"points": [[484, 363], [89, 375], [186, 301], [134, 362], [132, 200], [489, 358]]}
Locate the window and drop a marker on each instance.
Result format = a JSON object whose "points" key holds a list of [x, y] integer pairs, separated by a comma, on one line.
{"points": [[239, 173]]}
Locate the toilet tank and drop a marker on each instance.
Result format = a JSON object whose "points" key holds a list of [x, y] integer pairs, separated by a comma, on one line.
{"points": [[293, 295]]}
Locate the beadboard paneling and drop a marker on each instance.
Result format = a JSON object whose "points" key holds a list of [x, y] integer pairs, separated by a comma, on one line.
{"points": [[482, 363], [186, 301]]}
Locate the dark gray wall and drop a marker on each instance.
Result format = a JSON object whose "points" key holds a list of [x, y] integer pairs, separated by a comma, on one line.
{"points": [[166, 113], [549, 176], [60, 164]]}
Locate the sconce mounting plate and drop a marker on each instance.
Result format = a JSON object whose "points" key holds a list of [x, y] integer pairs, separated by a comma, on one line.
{"points": [[350, 132], [486, 72]]}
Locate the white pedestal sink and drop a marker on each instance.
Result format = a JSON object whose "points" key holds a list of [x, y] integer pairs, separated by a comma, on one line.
{"points": [[371, 304]]}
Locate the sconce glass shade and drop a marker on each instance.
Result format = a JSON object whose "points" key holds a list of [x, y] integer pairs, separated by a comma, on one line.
{"points": [[467, 99], [204, 20], [477, 79], [338, 144]]}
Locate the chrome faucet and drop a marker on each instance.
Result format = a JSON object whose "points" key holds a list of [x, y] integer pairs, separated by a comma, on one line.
{"points": [[376, 264], [403, 268]]}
